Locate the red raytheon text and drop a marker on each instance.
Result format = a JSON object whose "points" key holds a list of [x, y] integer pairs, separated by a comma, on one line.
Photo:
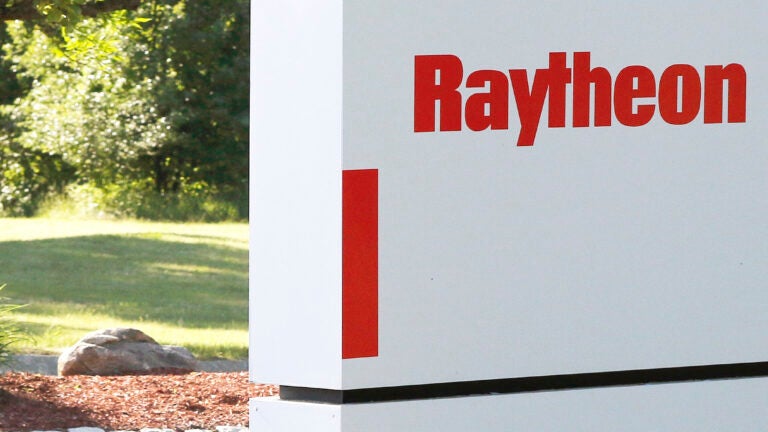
{"points": [[632, 97]]}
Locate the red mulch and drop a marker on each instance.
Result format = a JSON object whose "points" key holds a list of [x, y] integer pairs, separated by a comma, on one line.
{"points": [[181, 402]]}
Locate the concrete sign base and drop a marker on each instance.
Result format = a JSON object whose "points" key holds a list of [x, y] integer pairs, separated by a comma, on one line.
{"points": [[733, 406]]}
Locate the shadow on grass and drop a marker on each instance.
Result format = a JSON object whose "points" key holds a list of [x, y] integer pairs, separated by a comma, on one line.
{"points": [[190, 281]]}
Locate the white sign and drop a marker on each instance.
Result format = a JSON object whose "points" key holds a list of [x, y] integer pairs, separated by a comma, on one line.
{"points": [[447, 191]]}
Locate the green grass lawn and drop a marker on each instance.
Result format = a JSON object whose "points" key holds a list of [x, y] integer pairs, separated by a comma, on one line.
{"points": [[183, 284]]}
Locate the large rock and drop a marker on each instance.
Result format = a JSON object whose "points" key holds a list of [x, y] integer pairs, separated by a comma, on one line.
{"points": [[122, 351]]}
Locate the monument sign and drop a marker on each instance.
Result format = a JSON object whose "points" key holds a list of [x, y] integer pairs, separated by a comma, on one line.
{"points": [[455, 204]]}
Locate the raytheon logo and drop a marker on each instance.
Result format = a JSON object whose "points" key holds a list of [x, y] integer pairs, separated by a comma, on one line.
{"points": [[633, 97]]}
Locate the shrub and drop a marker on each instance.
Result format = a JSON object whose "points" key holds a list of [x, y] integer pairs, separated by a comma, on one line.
{"points": [[9, 331], [27, 176], [191, 202]]}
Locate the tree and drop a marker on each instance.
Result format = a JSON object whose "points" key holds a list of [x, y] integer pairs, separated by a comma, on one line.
{"points": [[201, 66], [61, 11], [28, 174], [156, 128]]}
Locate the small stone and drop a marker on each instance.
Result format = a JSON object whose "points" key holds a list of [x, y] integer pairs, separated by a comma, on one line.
{"points": [[231, 429], [156, 430], [85, 429]]}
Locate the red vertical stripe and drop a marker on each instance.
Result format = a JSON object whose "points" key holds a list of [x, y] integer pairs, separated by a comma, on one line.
{"points": [[360, 264]]}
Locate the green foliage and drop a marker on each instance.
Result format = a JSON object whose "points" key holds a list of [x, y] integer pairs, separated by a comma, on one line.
{"points": [[193, 202], [148, 108], [66, 12], [9, 330], [198, 55], [27, 176], [91, 116]]}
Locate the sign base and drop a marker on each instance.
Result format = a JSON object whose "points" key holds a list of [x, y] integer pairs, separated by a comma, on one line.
{"points": [[728, 405]]}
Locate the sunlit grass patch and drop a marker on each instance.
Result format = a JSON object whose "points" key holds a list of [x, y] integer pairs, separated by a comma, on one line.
{"points": [[51, 334], [183, 284]]}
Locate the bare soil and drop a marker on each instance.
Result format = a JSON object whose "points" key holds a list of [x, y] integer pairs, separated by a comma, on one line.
{"points": [[196, 400]]}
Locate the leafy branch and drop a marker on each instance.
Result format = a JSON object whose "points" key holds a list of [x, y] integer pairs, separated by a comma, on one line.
{"points": [[65, 12]]}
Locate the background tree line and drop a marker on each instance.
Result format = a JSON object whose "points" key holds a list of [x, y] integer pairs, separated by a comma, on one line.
{"points": [[139, 113]]}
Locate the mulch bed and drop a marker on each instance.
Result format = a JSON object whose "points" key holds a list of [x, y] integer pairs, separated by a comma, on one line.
{"points": [[171, 401]]}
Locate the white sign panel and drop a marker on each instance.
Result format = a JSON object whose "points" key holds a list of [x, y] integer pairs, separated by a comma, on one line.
{"points": [[447, 192]]}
